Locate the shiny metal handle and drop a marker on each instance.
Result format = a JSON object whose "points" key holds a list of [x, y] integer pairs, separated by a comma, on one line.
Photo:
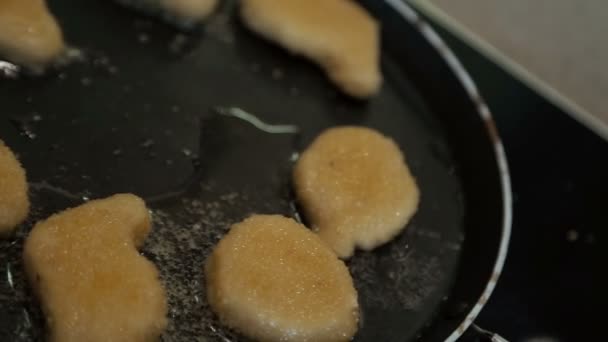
{"points": [[493, 337]]}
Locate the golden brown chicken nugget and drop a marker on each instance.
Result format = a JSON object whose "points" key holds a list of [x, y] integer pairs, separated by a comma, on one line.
{"points": [[355, 188], [274, 280], [92, 283], [339, 35], [29, 34], [14, 201]]}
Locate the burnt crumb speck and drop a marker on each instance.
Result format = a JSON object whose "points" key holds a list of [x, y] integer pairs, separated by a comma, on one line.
{"points": [[477, 99], [492, 130]]}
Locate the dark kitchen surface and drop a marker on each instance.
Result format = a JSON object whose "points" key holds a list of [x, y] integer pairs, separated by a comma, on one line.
{"points": [[547, 291]]}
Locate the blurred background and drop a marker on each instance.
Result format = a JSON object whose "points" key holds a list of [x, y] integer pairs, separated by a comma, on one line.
{"points": [[541, 66], [559, 47]]}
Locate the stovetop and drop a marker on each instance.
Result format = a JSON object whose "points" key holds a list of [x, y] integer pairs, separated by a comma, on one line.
{"points": [[547, 290]]}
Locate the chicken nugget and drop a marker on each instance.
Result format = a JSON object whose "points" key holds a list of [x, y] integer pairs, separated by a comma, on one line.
{"points": [[29, 34], [274, 280], [355, 188], [92, 283], [339, 35]]}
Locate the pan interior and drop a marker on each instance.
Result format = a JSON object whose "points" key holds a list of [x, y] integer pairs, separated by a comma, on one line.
{"points": [[136, 115]]}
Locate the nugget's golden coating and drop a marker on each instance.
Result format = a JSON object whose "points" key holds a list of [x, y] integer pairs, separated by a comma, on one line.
{"points": [[339, 35], [93, 284], [355, 188], [275, 280], [14, 201], [29, 34]]}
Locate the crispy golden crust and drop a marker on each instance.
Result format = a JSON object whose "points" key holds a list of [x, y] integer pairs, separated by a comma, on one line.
{"points": [[29, 34], [355, 188], [92, 283], [337, 34], [14, 201], [275, 280]]}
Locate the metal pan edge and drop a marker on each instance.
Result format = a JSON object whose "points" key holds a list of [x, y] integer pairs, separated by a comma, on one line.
{"points": [[408, 13]]}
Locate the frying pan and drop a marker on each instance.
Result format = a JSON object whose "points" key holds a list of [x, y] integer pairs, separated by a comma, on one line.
{"points": [[138, 114]]}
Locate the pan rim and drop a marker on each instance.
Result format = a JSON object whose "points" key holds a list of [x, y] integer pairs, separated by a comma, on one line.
{"points": [[413, 18]]}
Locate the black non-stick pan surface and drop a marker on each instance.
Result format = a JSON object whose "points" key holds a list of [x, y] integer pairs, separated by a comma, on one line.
{"points": [[139, 114]]}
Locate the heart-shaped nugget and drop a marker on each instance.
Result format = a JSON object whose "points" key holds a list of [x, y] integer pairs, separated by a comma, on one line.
{"points": [[92, 283]]}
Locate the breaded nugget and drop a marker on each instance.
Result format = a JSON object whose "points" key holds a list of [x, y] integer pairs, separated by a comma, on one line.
{"points": [[29, 34], [355, 188], [92, 283], [337, 34], [274, 280], [181, 12], [14, 201]]}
